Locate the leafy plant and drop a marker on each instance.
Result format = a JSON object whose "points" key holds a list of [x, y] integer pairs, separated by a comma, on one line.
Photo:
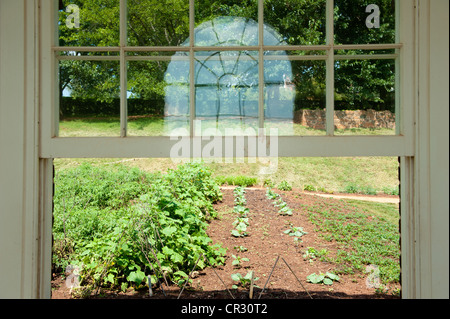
{"points": [[283, 208], [243, 281], [312, 253], [242, 181], [268, 183], [237, 262], [241, 222], [240, 248], [295, 232], [326, 279], [309, 188], [122, 224], [284, 186]]}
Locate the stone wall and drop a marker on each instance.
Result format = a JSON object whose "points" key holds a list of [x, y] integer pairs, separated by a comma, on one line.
{"points": [[346, 119]]}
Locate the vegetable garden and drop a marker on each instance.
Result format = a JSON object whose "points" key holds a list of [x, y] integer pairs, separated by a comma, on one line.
{"points": [[122, 228]]}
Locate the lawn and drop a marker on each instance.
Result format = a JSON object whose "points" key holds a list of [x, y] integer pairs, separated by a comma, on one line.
{"points": [[351, 175]]}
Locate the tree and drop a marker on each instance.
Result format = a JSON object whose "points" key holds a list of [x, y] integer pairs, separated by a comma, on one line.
{"points": [[166, 23]]}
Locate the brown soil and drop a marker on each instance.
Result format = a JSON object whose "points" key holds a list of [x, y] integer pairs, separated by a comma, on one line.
{"points": [[266, 242]]}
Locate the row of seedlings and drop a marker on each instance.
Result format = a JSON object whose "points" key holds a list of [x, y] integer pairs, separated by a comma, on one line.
{"points": [[285, 210], [240, 230]]}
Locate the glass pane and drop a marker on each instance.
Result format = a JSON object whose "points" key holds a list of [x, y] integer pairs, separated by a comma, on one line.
{"points": [[158, 22], [158, 97], [226, 91], [364, 21], [294, 22], [89, 94], [89, 23], [365, 97], [226, 23], [294, 94]]}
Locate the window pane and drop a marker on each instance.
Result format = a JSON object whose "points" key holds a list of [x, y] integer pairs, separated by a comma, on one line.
{"points": [[353, 25], [294, 22], [158, 97], [158, 22], [294, 94], [89, 23], [226, 91], [365, 97], [226, 23], [89, 98]]}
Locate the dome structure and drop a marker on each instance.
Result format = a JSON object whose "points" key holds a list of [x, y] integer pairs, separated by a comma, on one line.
{"points": [[227, 82]]}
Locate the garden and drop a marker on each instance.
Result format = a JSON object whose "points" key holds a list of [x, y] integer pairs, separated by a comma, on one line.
{"points": [[188, 232]]}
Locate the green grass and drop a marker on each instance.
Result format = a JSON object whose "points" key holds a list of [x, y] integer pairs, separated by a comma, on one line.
{"points": [[366, 234], [157, 126], [367, 175], [353, 175]]}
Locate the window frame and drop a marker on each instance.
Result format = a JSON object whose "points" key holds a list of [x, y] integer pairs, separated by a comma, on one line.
{"points": [[330, 145]]}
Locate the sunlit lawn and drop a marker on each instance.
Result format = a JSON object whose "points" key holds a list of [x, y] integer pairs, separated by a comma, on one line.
{"points": [[323, 174]]}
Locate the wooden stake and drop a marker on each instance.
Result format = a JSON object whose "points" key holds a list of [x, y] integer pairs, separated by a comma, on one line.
{"points": [[251, 285]]}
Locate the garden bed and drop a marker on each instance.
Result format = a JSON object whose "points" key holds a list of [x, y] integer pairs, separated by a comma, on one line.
{"points": [[266, 242]]}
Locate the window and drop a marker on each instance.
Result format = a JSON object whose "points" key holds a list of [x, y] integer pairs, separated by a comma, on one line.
{"points": [[323, 77]]}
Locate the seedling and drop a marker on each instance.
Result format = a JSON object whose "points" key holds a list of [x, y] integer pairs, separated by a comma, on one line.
{"points": [[243, 281], [326, 279], [237, 262], [295, 232], [240, 248], [240, 230]]}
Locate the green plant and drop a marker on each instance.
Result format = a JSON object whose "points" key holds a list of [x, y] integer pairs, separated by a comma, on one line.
{"points": [[309, 188], [122, 224], [365, 232], [241, 180], [326, 279], [237, 262], [268, 183], [283, 208], [284, 186], [351, 189], [241, 221], [295, 232], [271, 194], [312, 253], [240, 248], [243, 281]]}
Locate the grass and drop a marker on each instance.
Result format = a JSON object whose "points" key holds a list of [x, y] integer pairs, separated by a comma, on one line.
{"points": [[355, 174], [366, 234], [157, 126], [352, 175]]}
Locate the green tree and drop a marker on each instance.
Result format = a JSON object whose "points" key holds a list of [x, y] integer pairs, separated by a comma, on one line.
{"points": [[166, 23]]}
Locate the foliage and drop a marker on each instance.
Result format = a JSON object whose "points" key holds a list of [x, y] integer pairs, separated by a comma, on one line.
{"points": [[363, 236], [283, 208], [152, 23], [309, 188], [241, 222], [284, 186], [237, 260], [241, 180], [295, 232], [121, 224], [243, 281], [326, 279]]}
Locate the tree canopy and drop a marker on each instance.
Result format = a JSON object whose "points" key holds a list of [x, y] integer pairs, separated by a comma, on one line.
{"points": [[358, 83]]}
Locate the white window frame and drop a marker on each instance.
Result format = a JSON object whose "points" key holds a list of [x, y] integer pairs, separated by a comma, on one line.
{"points": [[123, 146]]}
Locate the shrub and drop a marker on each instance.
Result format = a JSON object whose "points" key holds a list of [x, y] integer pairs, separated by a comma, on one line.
{"points": [[284, 186], [122, 224]]}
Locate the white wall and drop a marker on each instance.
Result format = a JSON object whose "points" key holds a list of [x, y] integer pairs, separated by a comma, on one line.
{"points": [[18, 152], [439, 148]]}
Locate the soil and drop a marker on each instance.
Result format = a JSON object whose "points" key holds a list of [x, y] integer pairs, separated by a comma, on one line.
{"points": [[265, 245]]}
